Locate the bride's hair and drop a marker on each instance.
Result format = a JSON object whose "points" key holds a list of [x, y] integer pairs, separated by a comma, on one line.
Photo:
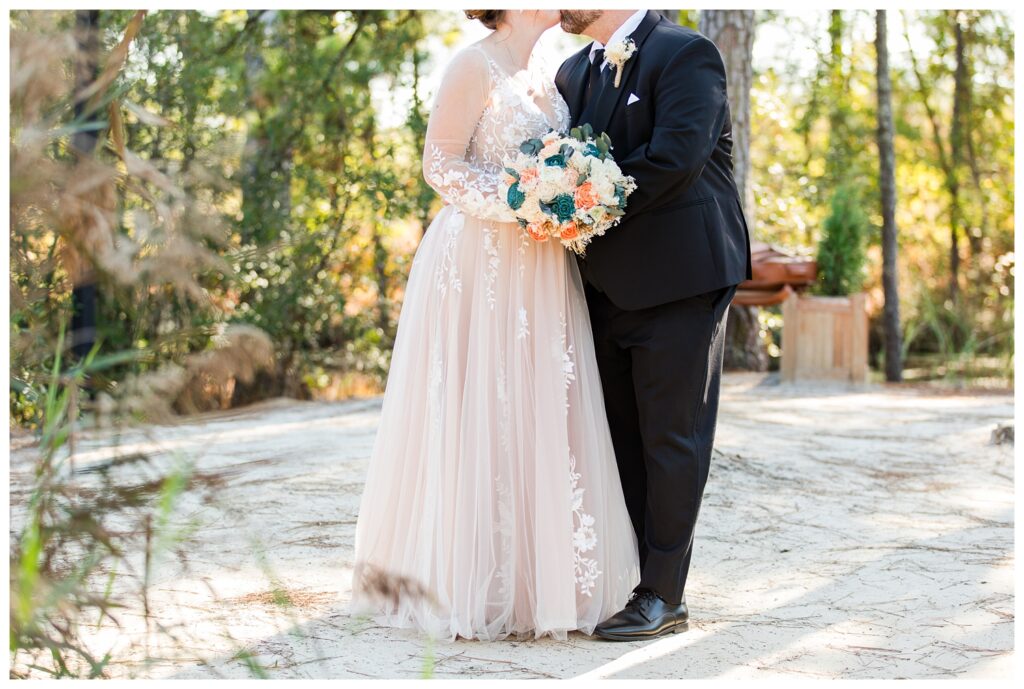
{"points": [[488, 18]]}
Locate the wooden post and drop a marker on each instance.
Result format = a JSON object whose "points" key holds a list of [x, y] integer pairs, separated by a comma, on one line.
{"points": [[825, 338], [790, 328], [859, 326]]}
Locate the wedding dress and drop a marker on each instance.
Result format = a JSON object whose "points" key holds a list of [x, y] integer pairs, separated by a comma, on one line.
{"points": [[492, 482]]}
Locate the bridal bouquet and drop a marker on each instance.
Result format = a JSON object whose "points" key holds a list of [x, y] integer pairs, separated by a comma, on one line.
{"points": [[566, 187]]}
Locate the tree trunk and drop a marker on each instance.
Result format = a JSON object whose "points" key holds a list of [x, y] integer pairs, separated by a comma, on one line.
{"points": [[842, 144], [733, 32], [834, 170], [418, 124], [956, 151], [967, 94], [266, 159], [83, 142], [380, 272], [887, 187], [948, 170]]}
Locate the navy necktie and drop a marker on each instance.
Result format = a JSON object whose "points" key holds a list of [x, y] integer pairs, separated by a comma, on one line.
{"points": [[596, 74]]}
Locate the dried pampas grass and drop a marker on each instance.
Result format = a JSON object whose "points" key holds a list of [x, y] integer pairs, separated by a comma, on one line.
{"points": [[203, 382], [110, 216], [105, 213]]}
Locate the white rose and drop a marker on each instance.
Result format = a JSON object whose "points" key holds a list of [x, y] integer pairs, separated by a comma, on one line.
{"points": [[550, 175]]}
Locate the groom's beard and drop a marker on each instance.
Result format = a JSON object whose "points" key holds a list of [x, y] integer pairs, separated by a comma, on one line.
{"points": [[576, 21]]}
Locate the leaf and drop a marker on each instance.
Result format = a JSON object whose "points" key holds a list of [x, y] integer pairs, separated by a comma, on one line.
{"points": [[117, 128], [145, 116], [531, 146]]}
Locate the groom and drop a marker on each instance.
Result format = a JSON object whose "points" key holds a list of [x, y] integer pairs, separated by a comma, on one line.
{"points": [[659, 284]]}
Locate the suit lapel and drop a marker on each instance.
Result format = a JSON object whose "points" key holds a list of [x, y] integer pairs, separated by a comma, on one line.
{"points": [[579, 82], [607, 100]]}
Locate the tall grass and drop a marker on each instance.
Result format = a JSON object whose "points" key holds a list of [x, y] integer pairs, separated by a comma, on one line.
{"points": [[79, 539], [943, 343]]}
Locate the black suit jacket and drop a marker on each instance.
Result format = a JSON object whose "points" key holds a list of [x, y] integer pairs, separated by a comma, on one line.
{"points": [[683, 232]]}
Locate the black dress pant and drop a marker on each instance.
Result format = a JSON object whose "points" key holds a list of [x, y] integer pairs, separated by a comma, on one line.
{"points": [[660, 370]]}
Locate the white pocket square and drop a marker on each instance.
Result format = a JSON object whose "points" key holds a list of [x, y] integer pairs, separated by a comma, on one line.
{"points": [[632, 99]]}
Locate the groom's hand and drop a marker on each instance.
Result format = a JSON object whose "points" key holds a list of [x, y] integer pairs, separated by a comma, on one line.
{"points": [[690, 110]]}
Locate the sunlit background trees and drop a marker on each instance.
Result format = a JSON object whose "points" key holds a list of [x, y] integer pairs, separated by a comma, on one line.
{"points": [[260, 168]]}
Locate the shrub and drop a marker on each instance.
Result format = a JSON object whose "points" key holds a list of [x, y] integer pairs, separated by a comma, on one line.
{"points": [[841, 251]]}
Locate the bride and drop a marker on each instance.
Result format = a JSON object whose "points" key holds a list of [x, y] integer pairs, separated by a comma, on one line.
{"points": [[492, 495]]}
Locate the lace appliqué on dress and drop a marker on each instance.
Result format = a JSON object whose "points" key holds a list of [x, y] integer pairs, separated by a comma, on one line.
{"points": [[505, 515], [447, 274], [564, 354], [434, 383], [584, 537], [491, 250], [504, 532], [523, 327], [471, 189]]}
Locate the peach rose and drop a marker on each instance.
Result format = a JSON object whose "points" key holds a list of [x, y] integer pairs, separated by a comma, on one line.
{"points": [[570, 231], [585, 196], [536, 232], [550, 149], [527, 175]]}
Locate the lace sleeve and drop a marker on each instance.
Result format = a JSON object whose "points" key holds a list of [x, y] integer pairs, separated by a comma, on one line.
{"points": [[458, 105]]}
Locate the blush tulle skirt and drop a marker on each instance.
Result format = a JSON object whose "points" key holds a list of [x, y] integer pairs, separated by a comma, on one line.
{"points": [[492, 505]]}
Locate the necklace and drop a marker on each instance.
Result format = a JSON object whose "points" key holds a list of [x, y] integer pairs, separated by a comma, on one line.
{"points": [[512, 60], [523, 74]]}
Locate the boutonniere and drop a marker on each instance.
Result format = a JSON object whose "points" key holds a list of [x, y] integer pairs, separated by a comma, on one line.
{"points": [[617, 54]]}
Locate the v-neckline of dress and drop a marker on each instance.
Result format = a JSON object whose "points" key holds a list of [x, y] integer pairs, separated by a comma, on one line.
{"points": [[524, 88]]}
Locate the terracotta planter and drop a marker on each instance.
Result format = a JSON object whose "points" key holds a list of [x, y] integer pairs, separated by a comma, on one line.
{"points": [[825, 338]]}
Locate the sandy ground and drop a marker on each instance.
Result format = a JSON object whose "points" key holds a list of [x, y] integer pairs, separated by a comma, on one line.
{"points": [[845, 533]]}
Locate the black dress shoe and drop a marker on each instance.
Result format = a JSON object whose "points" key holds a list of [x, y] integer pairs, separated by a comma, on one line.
{"points": [[645, 616]]}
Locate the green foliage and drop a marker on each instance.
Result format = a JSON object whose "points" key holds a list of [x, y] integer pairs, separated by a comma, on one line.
{"points": [[689, 18], [841, 254], [812, 130], [319, 197], [333, 206]]}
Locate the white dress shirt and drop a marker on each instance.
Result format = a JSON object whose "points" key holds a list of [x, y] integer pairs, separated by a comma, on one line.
{"points": [[627, 27]]}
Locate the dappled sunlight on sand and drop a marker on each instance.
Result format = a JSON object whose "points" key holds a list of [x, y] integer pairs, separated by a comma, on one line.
{"points": [[844, 533]]}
